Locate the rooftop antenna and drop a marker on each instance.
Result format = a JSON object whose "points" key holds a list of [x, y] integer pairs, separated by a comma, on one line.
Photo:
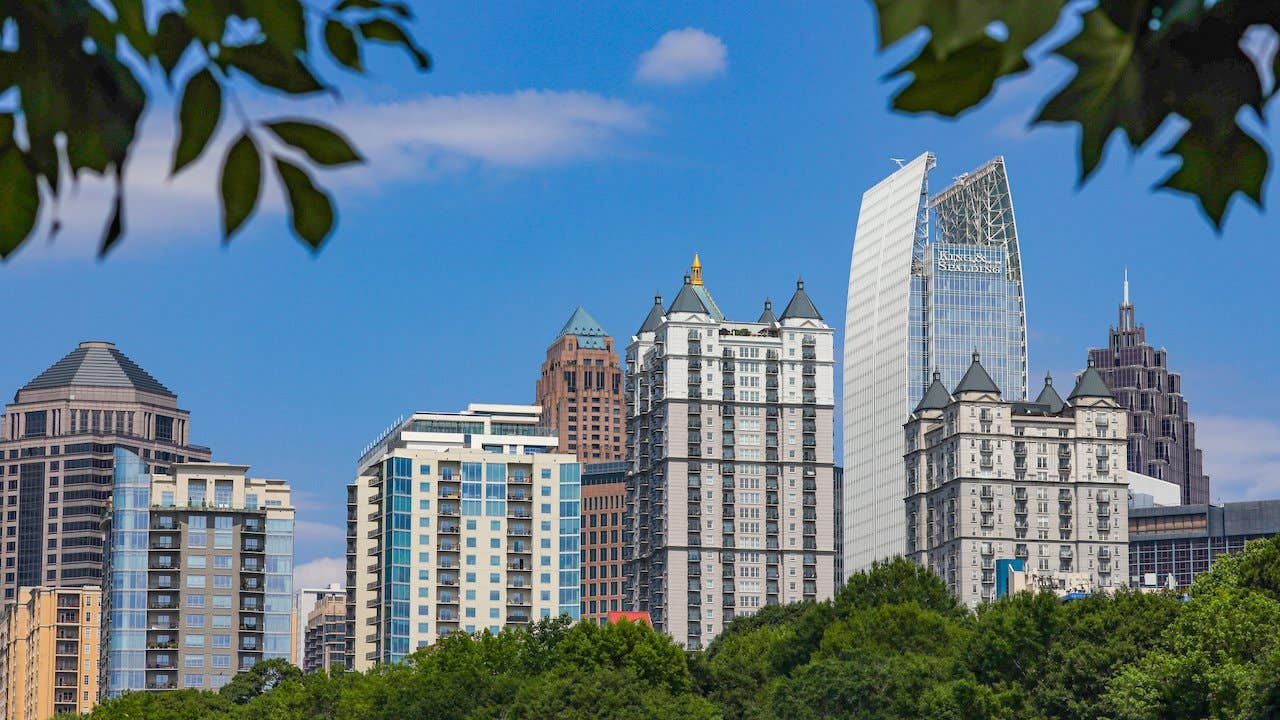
{"points": [[1126, 285], [901, 162]]}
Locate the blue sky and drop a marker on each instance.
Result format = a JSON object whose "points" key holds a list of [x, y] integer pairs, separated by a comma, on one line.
{"points": [[543, 164]]}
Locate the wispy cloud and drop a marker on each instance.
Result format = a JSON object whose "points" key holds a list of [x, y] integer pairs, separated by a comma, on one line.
{"points": [[683, 56], [1241, 455], [319, 573], [426, 138], [318, 537]]}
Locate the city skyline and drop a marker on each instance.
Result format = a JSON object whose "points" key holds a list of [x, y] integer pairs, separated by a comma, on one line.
{"points": [[654, 174]]}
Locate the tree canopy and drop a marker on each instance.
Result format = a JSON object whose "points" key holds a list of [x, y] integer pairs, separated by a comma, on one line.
{"points": [[83, 72], [892, 644], [1138, 64]]}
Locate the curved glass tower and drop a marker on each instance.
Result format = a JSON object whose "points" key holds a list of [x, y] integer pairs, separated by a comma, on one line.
{"points": [[933, 279]]}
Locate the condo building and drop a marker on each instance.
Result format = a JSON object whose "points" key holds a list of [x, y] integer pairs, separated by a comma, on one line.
{"points": [[1162, 438], [199, 576], [57, 440], [1035, 487], [933, 278], [49, 646], [604, 503], [580, 391], [729, 446], [459, 522], [325, 637]]}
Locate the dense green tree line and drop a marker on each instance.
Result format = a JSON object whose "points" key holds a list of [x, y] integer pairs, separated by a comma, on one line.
{"points": [[893, 644]]}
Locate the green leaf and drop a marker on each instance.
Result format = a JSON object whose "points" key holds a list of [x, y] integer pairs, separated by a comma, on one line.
{"points": [[342, 45], [282, 21], [388, 32], [950, 86], [115, 226], [132, 20], [1207, 150], [323, 145], [173, 37], [267, 65], [198, 117], [310, 209], [21, 204], [1107, 91], [241, 184]]}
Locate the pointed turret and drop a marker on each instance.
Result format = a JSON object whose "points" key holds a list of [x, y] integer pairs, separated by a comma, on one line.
{"points": [[695, 271], [1049, 396], [767, 317], [1090, 385], [694, 297], [801, 307], [936, 397], [976, 379], [655, 316]]}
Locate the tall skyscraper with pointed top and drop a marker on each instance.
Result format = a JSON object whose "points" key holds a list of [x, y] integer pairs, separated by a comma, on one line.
{"points": [[1162, 437], [730, 484], [580, 391], [933, 279]]}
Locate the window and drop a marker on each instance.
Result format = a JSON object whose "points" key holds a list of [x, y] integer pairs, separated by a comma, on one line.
{"points": [[195, 581], [221, 661], [194, 640]]}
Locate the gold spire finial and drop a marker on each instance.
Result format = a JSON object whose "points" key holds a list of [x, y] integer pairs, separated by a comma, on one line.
{"points": [[695, 271]]}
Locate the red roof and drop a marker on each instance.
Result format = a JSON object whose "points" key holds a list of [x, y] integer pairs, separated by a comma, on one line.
{"points": [[640, 617]]}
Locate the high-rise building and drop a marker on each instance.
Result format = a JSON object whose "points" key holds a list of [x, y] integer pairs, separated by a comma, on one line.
{"points": [[459, 522], [838, 523], [199, 576], [1041, 485], [933, 279], [1170, 546], [729, 442], [57, 438], [1162, 438], [325, 638], [48, 652], [604, 502], [580, 391]]}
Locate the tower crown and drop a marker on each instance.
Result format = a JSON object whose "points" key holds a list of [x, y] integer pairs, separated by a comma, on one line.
{"points": [[695, 271]]}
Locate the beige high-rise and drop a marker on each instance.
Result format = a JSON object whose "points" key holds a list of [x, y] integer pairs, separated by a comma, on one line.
{"points": [[49, 642], [729, 441], [56, 442], [325, 638], [1038, 484]]}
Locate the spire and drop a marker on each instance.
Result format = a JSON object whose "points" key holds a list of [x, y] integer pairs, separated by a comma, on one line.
{"points": [[1049, 396], [1126, 285], [694, 297], [976, 379], [801, 307], [655, 316], [936, 397], [695, 271], [1090, 385], [767, 317]]}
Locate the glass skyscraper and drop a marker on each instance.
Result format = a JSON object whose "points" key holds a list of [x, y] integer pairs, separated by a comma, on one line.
{"points": [[933, 279]]}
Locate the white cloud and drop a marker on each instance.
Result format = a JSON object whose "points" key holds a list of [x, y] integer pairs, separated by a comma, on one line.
{"points": [[682, 56], [1241, 456], [310, 534], [319, 573], [423, 138]]}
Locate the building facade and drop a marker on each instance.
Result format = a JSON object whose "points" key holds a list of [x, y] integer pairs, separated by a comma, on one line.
{"points": [[57, 440], [459, 522], [932, 280], [1162, 438], [580, 391], [199, 568], [1041, 484], [49, 646], [325, 638], [604, 503], [729, 445], [1170, 546]]}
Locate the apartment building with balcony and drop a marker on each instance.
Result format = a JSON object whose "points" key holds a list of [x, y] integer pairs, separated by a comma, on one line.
{"points": [[1042, 483], [730, 484], [459, 522], [604, 503], [49, 645], [199, 571], [57, 444], [325, 637]]}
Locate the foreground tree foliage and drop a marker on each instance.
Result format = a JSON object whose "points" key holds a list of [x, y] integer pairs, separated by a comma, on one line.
{"points": [[1138, 63], [892, 644], [82, 73]]}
